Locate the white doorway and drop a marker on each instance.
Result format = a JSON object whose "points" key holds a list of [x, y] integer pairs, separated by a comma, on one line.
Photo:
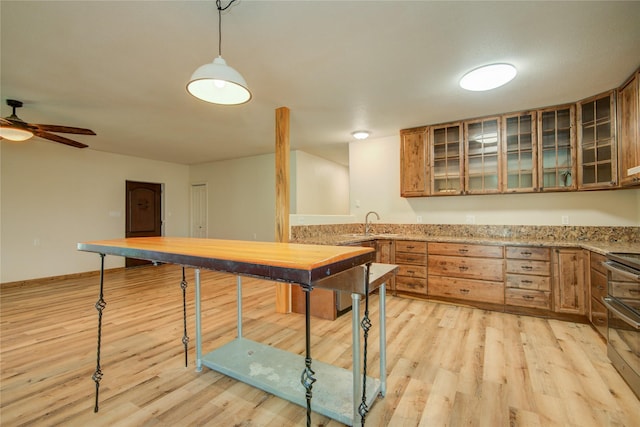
{"points": [[199, 211]]}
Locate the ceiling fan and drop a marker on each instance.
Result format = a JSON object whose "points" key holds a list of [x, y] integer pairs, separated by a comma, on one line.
{"points": [[15, 129]]}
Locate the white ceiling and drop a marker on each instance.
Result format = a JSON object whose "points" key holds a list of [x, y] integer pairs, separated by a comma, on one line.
{"points": [[120, 67]]}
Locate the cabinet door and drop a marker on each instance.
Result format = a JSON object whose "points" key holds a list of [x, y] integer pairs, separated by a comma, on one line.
{"points": [[569, 287], [446, 159], [482, 156], [597, 158], [629, 135], [556, 148], [519, 153], [413, 163]]}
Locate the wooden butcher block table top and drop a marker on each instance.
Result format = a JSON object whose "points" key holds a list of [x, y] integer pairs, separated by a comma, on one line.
{"points": [[286, 262]]}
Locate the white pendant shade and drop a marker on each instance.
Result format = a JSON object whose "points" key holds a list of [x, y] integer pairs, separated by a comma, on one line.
{"points": [[13, 134], [219, 83], [488, 77]]}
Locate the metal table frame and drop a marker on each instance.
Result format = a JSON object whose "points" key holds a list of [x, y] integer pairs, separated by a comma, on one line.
{"points": [[342, 270], [249, 362]]}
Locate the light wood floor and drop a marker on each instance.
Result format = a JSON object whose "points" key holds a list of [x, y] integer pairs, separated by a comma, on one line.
{"points": [[447, 365]]}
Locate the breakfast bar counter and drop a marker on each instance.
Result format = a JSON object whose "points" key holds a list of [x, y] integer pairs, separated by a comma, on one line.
{"points": [[339, 268]]}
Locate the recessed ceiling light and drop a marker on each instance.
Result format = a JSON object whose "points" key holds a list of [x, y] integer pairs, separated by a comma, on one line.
{"points": [[360, 134], [488, 77]]}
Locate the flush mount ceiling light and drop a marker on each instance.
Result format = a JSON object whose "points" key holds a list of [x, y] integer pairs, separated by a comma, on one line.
{"points": [[217, 82], [360, 134], [488, 77]]}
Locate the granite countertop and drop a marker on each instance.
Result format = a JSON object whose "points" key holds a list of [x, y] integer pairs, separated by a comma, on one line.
{"points": [[601, 247]]}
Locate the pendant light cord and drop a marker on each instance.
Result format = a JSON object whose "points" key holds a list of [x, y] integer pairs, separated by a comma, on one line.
{"points": [[220, 9]]}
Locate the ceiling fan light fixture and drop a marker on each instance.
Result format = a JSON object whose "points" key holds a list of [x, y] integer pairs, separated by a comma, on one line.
{"points": [[13, 134], [488, 77], [360, 134], [219, 83]]}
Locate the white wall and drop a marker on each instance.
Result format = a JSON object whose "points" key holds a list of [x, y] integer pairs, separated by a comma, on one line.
{"points": [[318, 186], [53, 197], [241, 197], [375, 185]]}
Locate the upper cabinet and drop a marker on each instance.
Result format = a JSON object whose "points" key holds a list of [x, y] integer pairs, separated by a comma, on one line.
{"points": [[629, 133], [519, 153], [597, 156], [446, 159], [482, 156], [556, 148], [592, 144], [413, 162]]}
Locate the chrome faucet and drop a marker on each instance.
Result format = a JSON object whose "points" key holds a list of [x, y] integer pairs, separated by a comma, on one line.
{"points": [[367, 225]]}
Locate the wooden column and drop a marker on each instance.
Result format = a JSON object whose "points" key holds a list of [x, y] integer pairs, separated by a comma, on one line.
{"points": [[283, 290]]}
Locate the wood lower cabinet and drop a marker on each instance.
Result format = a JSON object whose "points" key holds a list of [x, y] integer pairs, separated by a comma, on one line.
{"points": [[570, 292], [598, 285], [411, 258], [528, 278], [466, 272], [385, 254]]}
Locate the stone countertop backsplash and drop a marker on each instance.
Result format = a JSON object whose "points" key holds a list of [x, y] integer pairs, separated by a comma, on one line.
{"points": [[598, 239]]}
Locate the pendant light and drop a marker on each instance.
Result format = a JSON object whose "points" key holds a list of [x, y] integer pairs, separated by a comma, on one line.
{"points": [[217, 82]]}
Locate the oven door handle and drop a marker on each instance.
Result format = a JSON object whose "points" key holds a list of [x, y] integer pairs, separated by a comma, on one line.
{"points": [[615, 267], [621, 311]]}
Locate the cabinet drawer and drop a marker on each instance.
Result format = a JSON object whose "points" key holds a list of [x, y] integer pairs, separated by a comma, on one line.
{"points": [[596, 261], [411, 284], [523, 281], [598, 285], [599, 317], [411, 246], [525, 252], [471, 268], [466, 289], [411, 258], [412, 271], [519, 266], [458, 249], [528, 298]]}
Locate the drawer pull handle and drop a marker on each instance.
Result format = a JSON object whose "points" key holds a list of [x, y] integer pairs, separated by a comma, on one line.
{"points": [[463, 251], [634, 291], [463, 268], [464, 291], [410, 247], [411, 272], [528, 297], [528, 282], [525, 253], [600, 288], [599, 321], [527, 267]]}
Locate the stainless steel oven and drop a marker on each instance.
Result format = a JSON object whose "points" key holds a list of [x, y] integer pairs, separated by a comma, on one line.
{"points": [[623, 304]]}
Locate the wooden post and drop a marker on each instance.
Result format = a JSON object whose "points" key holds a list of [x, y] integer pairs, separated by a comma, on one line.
{"points": [[283, 290]]}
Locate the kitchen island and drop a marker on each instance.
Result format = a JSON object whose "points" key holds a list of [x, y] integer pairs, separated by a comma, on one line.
{"points": [[310, 266]]}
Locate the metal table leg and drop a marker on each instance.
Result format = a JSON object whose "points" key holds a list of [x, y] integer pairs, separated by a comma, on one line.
{"points": [[355, 335], [239, 292], [198, 324], [383, 339]]}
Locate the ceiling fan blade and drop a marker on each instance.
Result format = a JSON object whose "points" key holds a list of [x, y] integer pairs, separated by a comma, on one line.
{"points": [[60, 139], [64, 129]]}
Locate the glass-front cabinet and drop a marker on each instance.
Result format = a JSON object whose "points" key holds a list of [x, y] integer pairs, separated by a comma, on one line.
{"points": [[446, 159], [597, 156], [556, 150], [482, 156], [519, 152]]}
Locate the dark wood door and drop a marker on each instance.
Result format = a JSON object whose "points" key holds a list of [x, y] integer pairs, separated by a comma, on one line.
{"points": [[144, 213]]}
